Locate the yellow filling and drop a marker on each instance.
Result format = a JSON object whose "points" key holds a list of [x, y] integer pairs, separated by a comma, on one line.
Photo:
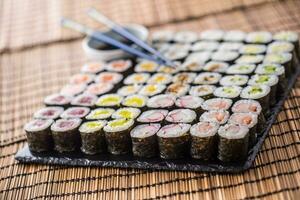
{"points": [[109, 100], [118, 122], [134, 101], [92, 125], [125, 114], [100, 112]]}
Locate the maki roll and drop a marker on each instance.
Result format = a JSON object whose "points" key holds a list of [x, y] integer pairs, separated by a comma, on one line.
{"points": [[146, 66], [57, 100], [190, 102], [173, 141], [153, 116], [93, 67], [119, 66], [205, 46], [192, 66], [216, 104], [288, 36], [213, 34], [259, 37], [284, 59], [217, 116], [99, 88], [202, 56], [92, 137], [230, 92], [181, 47], [238, 80], [253, 49], [177, 54], [160, 78], [216, 67], [100, 113], [203, 91], [250, 59], [75, 112], [178, 89], [259, 93], [152, 89], [203, 140], [117, 134], [168, 69], [281, 47], [185, 37], [144, 141], [72, 89], [246, 119], [269, 80], [207, 78], [225, 56], [65, 134], [109, 100], [127, 113], [233, 142], [39, 135], [234, 36], [81, 79], [87, 100], [162, 36], [165, 101], [137, 78], [243, 69], [230, 46], [109, 77], [51, 112], [184, 77], [127, 90], [181, 116], [136, 101]]}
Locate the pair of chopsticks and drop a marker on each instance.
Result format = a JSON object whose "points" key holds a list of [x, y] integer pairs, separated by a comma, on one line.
{"points": [[153, 56]]}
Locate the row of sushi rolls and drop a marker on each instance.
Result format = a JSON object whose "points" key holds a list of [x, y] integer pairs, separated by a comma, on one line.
{"points": [[212, 106]]}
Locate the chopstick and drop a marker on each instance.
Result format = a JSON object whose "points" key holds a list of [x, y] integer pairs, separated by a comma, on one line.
{"points": [[106, 39], [98, 16]]}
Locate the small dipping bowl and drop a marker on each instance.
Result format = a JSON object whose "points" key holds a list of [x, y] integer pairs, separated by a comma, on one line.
{"points": [[97, 50]]}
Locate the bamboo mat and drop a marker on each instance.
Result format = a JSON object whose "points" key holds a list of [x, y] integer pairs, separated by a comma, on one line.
{"points": [[29, 74]]}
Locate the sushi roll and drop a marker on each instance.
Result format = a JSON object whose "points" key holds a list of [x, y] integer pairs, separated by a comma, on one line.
{"points": [[214, 66], [127, 113], [192, 66], [253, 49], [144, 140], [224, 56], [202, 56], [173, 141], [230, 46], [38, 134], [269, 80], [73, 89], [234, 36], [249, 59], [284, 59], [181, 116], [177, 89], [65, 134], [162, 36], [152, 89], [136, 101], [146, 66], [51, 112], [259, 37], [243, 69], [160, 78], [99, 88], [137, 78], [207, 78], [186, 47], [216, 104], [127, 90], [109, 77], [230, 92], [213, 34], [288, 36], [153, 116], [251, 106], [233, 142], [217, 116], [121, 66], [109, 100], [261, 93], [161, 47], [185, 37], [176, 55], [117, 135], [165, 101], [87, 100], [81, 79], [238, 80], [100, 114], [58, 100], [168, 69], [75, 112], [92, 137], [281, 47], [93, 67], [203, 140], [249, 120], [190, 102], [203, 91], [205, 46], [184, 77]]}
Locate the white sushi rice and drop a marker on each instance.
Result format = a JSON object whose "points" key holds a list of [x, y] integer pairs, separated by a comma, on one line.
{"points": [[163, 35], [92, 126], [280, 47], [281, 58], [269, 80], [176, 54], [228, 91], [152, 116], [72, 89], [202, 90], [63, 125], [152, 89], [192, 65], [247, 106], [84, 100], [178, 89], [189, 101], [209, 78], [145, 130], [160, 78], [224, 56], [230, 46], [270, 68], [238, 80], [241, 69], [217, 116], [51, 112], [109, 100], [253, 49], [118, 65], [137, 78], [129, 89], [233, 131], [234, 36], [214, 66], [81, 78], [75, 112], [93, 67], [118, 125], [184, 77], [57, 99], [202, 56], [129, 113], [109, 77], [181, 116], [173, 130], [100, 113], [99, 88], [38, 125], [289, 36], [146, 66], [186, 37], [249, 59], [204, 129], [213, 34], [259, 37], [245, 119], [217, 104], [161, 101], [247, 94], [205, 46]]}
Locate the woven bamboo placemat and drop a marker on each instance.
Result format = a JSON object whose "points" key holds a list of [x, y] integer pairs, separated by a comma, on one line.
{"points": [[27, 75]]}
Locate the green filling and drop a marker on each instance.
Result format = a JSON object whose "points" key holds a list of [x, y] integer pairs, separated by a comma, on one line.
{"points": [[262, 79], [228, 90], [125, 114], [255, 90], [270, 68], [243, 67]]}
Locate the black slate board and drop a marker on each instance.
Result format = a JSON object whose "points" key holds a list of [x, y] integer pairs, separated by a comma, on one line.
{"points": [[128, 161]]}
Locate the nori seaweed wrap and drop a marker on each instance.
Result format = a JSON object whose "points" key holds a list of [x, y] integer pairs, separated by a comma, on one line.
{"points": [[92, 137], [144, 140], [38, 134], [284, 59], [50, 112], [173, 141], [203, 140]]}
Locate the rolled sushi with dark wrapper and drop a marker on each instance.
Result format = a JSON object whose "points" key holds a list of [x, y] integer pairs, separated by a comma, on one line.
{"points": [[181, 116], [229, 92], [93, 67], [207, 78], [259, 37], [288, 36], [100, 114], [190, 102], [152, 89], [284, 59], [99, 88], [127, 90], [173, 141], [38, 134], [136, 101], [203, 140], [117, 135], [253, 49], [216, 104], [225, 56], [212, 35], [122, 66], [75, 112], [144, 140], [58, 100], [109, 101], [230, 46], [203, 91], [73, 89], [178, 89], [162, 101], [184, 77], [214, 66], [217, 116], [109, 77], [87, 100], [65, 135], [127, 113], [234, 36], [92, 137], [50, 112], [233, 142], [153, 116], [250, 59], [238, 80], [242, 69]]}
